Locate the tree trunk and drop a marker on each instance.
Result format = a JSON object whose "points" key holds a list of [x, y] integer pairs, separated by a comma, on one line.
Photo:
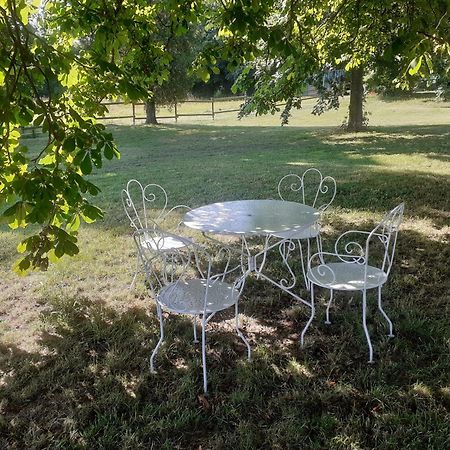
{"points": [[150, 112], [356, 108]]}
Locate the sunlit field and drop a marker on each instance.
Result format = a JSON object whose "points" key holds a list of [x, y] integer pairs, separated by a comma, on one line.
{"points": [[75, 340]]}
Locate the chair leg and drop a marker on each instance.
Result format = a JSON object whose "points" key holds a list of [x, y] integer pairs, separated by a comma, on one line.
{"points": [[161, 339], [319, 247], [194, 325], [327, 321], [300, 247], [205, 376], [133, 281], [384, 313], [366, 331], [310, 318], [239, 332]]}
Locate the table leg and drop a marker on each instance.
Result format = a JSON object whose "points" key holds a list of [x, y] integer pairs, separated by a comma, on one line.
{"points": [[256, 261]]}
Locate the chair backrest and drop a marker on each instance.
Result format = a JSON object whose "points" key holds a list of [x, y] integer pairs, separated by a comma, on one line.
{"points": [[378, 246], [193, 261], [146, 205], [386, 233], [311, 188]]}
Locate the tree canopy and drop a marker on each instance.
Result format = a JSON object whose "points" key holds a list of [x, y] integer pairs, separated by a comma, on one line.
{"points": [[286, 45], [94, 49]]}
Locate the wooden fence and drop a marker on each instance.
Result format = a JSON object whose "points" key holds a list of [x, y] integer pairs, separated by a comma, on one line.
{"points": [[134, 111], [212, 103]]}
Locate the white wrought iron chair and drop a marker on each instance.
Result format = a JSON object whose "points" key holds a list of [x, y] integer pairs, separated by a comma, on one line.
{"points": [[362, 260], [189, 282], [313, 189], [146, 207]]}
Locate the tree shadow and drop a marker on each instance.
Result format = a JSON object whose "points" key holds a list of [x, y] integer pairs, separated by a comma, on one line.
{"points": [[415, 293], [377, 190], [89, 386]]}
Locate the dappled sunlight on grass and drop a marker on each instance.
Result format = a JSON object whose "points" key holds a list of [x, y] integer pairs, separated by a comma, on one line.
{"points": [[298, 369], [75, 341]]}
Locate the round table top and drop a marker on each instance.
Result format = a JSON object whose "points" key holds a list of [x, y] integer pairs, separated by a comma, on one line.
{"points": [[251, 217]]}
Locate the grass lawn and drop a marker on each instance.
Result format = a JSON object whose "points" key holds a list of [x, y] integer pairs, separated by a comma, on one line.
{"points": [[75, 341]]}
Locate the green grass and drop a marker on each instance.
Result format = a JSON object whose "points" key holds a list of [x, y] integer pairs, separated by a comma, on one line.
{"points": [[75, 341]]}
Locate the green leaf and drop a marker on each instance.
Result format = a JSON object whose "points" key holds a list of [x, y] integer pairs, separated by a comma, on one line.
{"points": [[92, 188], [69, 144], [48, 159], [74, 224], [17, 214], [96, 157], [91, 213], [22, 246], [59, 250], [52, 256], [204, 75], [79, 157], [414, 65], [11, 211], [22, 266], [70, 248], [75, 116], [108, 151], [86, 164], [39, 119]]}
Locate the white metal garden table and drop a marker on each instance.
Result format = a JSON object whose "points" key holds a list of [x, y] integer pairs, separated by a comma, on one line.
{"points": [[247, 218]]}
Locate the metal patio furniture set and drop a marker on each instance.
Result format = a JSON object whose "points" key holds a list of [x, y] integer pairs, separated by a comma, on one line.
{"points": [[186, 277]]}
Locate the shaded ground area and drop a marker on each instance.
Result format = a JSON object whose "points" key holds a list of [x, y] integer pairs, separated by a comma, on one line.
{"points": [[75, 341]]}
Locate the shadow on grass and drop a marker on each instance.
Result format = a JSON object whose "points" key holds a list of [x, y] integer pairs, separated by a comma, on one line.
{"points": [[247, 162], [425, 194], [90, 386]]}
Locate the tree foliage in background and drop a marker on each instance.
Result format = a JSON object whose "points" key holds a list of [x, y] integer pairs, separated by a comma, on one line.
{"points": [[182, 48], [92, 48], [286, 45], [179, 80], [59, 59]]}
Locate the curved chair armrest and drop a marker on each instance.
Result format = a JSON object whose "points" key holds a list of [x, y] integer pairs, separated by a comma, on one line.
{"points": [[348, 259], [352, 245], [173, 209], [324, 269], [188, 208], [172, 222]]}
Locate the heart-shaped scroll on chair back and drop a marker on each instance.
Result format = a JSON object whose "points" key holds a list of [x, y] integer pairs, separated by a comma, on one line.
{"points": [[311, 188], [144, 206]]}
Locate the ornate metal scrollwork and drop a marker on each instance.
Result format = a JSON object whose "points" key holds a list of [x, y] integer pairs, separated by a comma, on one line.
{"points": [[285, 248], [295, 186]]}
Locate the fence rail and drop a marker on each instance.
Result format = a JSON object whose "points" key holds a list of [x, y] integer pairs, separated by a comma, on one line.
{"points": [[212, 112], [130, 110]]}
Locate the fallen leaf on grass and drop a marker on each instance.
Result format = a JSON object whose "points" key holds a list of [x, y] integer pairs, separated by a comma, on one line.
{"points": [[204, 403]]}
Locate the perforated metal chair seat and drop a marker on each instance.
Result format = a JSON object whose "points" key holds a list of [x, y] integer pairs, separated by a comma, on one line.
{"points": [[165, 243], [306, 233], [188, 297], [346, 276]]}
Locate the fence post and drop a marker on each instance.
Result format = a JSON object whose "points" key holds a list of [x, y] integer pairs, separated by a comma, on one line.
{"points": [[134, 113], [212, 107], [176, 112]]}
